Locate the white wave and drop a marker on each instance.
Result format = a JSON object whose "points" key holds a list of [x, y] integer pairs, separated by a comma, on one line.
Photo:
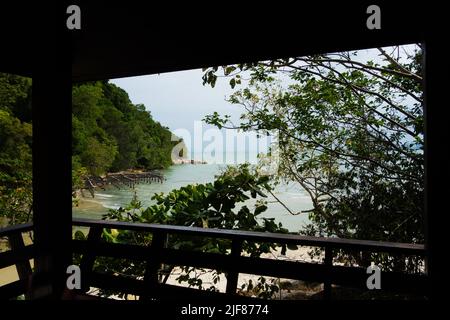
{"points": [[114, 207], [104, 195]]}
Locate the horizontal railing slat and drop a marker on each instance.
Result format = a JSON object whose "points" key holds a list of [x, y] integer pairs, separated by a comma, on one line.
{"points": [[353, 244], [12, 257], [351, 276], [13, 289], [24, 227]]}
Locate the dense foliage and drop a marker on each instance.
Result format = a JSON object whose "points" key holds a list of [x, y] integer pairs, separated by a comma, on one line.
{"points": [[218, 204], [112, 134], [15, 148], [350, 132]]}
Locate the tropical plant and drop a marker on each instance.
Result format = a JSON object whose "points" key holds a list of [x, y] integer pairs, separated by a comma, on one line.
{"points": [[350, 133], [219, 204]]}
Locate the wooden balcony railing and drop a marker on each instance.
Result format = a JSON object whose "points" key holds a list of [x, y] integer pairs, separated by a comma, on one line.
{"points": [[20, 256], [233, 263]]}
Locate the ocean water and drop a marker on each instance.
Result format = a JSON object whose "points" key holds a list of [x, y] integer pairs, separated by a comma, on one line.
{"points": [[180, 175]]}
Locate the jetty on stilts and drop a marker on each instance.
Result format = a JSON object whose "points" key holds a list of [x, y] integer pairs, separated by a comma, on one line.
{"points": [[120, 180]]}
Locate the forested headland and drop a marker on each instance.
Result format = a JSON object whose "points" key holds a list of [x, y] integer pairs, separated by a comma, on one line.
{"points": [[112, 134]]}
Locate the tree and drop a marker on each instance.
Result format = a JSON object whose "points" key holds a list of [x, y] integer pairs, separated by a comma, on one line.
{"points": [[350, 132], [15, 96], [15, 149], [112, 134], [98, 156]]}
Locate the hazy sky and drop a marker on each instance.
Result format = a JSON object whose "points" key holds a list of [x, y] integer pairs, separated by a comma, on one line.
{"points": [[178, 100]]}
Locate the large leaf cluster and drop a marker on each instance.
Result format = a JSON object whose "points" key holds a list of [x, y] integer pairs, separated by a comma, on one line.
{"points": [[349, 130], [219, 204]]}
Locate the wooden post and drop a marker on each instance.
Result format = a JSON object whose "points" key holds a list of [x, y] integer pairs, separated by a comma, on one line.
{"points": [[23, 268], [87, 262], [151, 279], [232, 277], [52, 123], [329, 263]]}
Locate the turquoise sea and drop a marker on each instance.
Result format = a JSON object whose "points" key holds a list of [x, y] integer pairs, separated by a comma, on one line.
{"points": [[180, 175]]}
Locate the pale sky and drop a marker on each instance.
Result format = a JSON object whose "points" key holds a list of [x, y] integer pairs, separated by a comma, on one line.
{"points": [[179, 101]]}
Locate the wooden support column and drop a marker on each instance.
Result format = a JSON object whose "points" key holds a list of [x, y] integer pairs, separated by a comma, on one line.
{"points": [[52, 206], [437, 157], [52, 182]]}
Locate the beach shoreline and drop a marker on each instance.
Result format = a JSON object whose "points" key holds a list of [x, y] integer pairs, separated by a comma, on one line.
{"points": [[299, 255]]}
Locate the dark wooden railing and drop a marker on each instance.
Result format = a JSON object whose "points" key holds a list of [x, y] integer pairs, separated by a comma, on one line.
{"points": [[18, 255], [233, 263]]}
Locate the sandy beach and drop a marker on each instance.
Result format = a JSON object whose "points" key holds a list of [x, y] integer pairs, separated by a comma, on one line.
{"points": [[9, 274], [289, 289], [299, 255]]}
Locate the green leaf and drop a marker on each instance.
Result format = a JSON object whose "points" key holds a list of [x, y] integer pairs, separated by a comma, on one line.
{"points": [[232, 83], [260, 209], [292, 247]]}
